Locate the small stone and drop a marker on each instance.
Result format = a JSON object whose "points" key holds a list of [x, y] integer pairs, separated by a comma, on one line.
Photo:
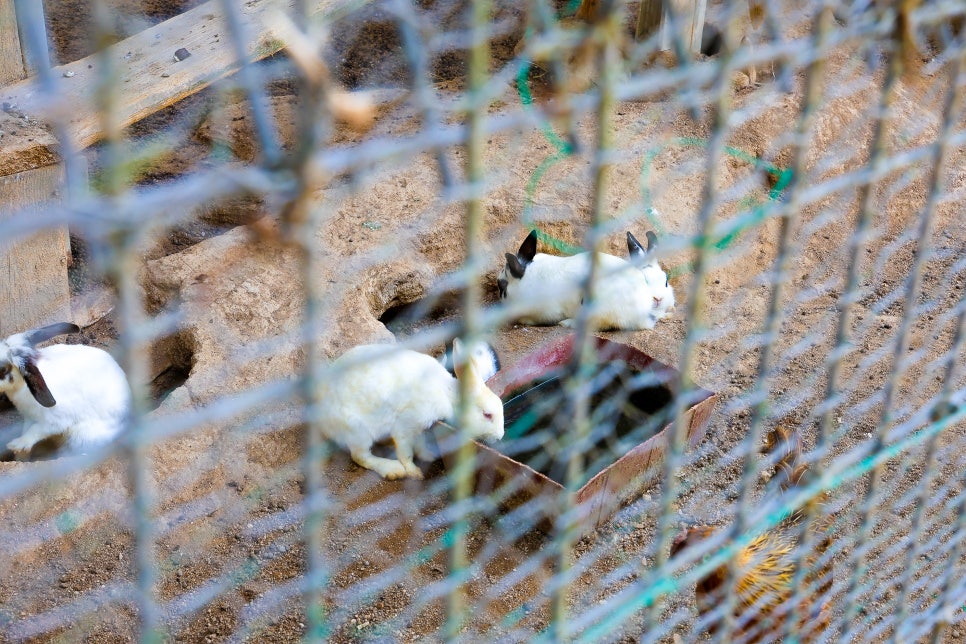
{"points": [[69, 74], [165, 75], [181, 54]]}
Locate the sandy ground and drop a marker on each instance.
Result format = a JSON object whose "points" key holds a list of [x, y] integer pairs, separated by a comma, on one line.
{"points": [[227, 513]]}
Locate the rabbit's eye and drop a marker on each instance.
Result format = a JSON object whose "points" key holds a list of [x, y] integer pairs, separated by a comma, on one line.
{"points": [[487, 415], [4, 371]]}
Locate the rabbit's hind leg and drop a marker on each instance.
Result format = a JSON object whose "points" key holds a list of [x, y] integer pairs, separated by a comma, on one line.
{"points": [[33, 434], [404, 452]]}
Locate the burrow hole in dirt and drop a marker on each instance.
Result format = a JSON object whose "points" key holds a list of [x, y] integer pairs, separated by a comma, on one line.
{"points": [[627, 407], [172, 359], [405, 320]]}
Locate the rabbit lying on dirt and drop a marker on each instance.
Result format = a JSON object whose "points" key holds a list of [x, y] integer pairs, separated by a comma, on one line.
{"points": [[71, 391], [629, 295]]}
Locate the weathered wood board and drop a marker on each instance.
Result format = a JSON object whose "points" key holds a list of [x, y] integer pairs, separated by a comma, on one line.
{"points": [[147, 77], [11, 56], [33, 271]]}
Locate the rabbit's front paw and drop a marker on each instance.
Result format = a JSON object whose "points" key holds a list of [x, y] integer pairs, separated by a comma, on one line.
{"points": [[413, 472], [393, 470]]}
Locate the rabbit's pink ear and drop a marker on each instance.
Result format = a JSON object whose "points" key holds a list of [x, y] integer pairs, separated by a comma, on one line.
{"points": [[27, 365], [459, 357]]}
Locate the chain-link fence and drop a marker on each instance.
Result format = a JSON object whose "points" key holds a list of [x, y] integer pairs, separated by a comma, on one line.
{"points": [[767, 447]]}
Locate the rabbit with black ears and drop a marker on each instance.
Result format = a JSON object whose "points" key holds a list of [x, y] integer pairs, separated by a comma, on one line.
{"points": [[374, 392], [72, 391], [628, 295]]}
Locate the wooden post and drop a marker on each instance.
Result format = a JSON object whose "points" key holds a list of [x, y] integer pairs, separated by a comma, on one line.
{"points": [[689, 20], [33, 270], [648, 18], [12, 66]]}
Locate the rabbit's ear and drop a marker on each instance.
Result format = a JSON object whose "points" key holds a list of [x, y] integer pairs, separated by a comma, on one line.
{"points": [[459, 357], [45, 333], [634, 248], [26, 363], [528, 249], [466, 369], [462, 363], [515, 267], [651, 240]]}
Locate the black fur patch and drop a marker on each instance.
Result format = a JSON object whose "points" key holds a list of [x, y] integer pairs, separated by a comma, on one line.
{"points": [[35, 381], [45, 333]]}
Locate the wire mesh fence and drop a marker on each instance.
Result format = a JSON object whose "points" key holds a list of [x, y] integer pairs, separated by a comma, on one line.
{"points": [[768, 447]]}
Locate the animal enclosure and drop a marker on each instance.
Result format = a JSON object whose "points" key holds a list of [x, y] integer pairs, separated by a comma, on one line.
{"points": [[253, 188]]}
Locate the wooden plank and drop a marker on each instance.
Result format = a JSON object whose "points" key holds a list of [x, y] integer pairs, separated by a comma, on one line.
{"points": [[33, 271], [148, 76], [25, 144], [11, 55]]}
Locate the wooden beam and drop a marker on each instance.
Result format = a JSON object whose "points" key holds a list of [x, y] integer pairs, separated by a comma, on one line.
{"points": [[25, 144], [11, 56], [33, 271], [148, 76]]}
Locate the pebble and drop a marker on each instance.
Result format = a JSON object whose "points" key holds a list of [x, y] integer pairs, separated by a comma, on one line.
{"points": [[69, 74], [181, 54]]}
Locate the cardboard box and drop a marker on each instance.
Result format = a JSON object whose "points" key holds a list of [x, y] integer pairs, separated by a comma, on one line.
{"points": [[515, 484]]}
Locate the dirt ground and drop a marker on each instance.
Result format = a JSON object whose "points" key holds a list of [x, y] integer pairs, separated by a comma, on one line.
{"points": [[228, 493]]}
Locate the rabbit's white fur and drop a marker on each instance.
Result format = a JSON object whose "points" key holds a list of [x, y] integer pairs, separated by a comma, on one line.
{"points": [[373, 392], [91, 394], [628, 295], [484, 357]]}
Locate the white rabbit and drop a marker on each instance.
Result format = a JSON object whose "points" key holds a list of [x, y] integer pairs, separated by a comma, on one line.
{"points": [[72, 391], [484, 356], [373, 392], [629, 295]]}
